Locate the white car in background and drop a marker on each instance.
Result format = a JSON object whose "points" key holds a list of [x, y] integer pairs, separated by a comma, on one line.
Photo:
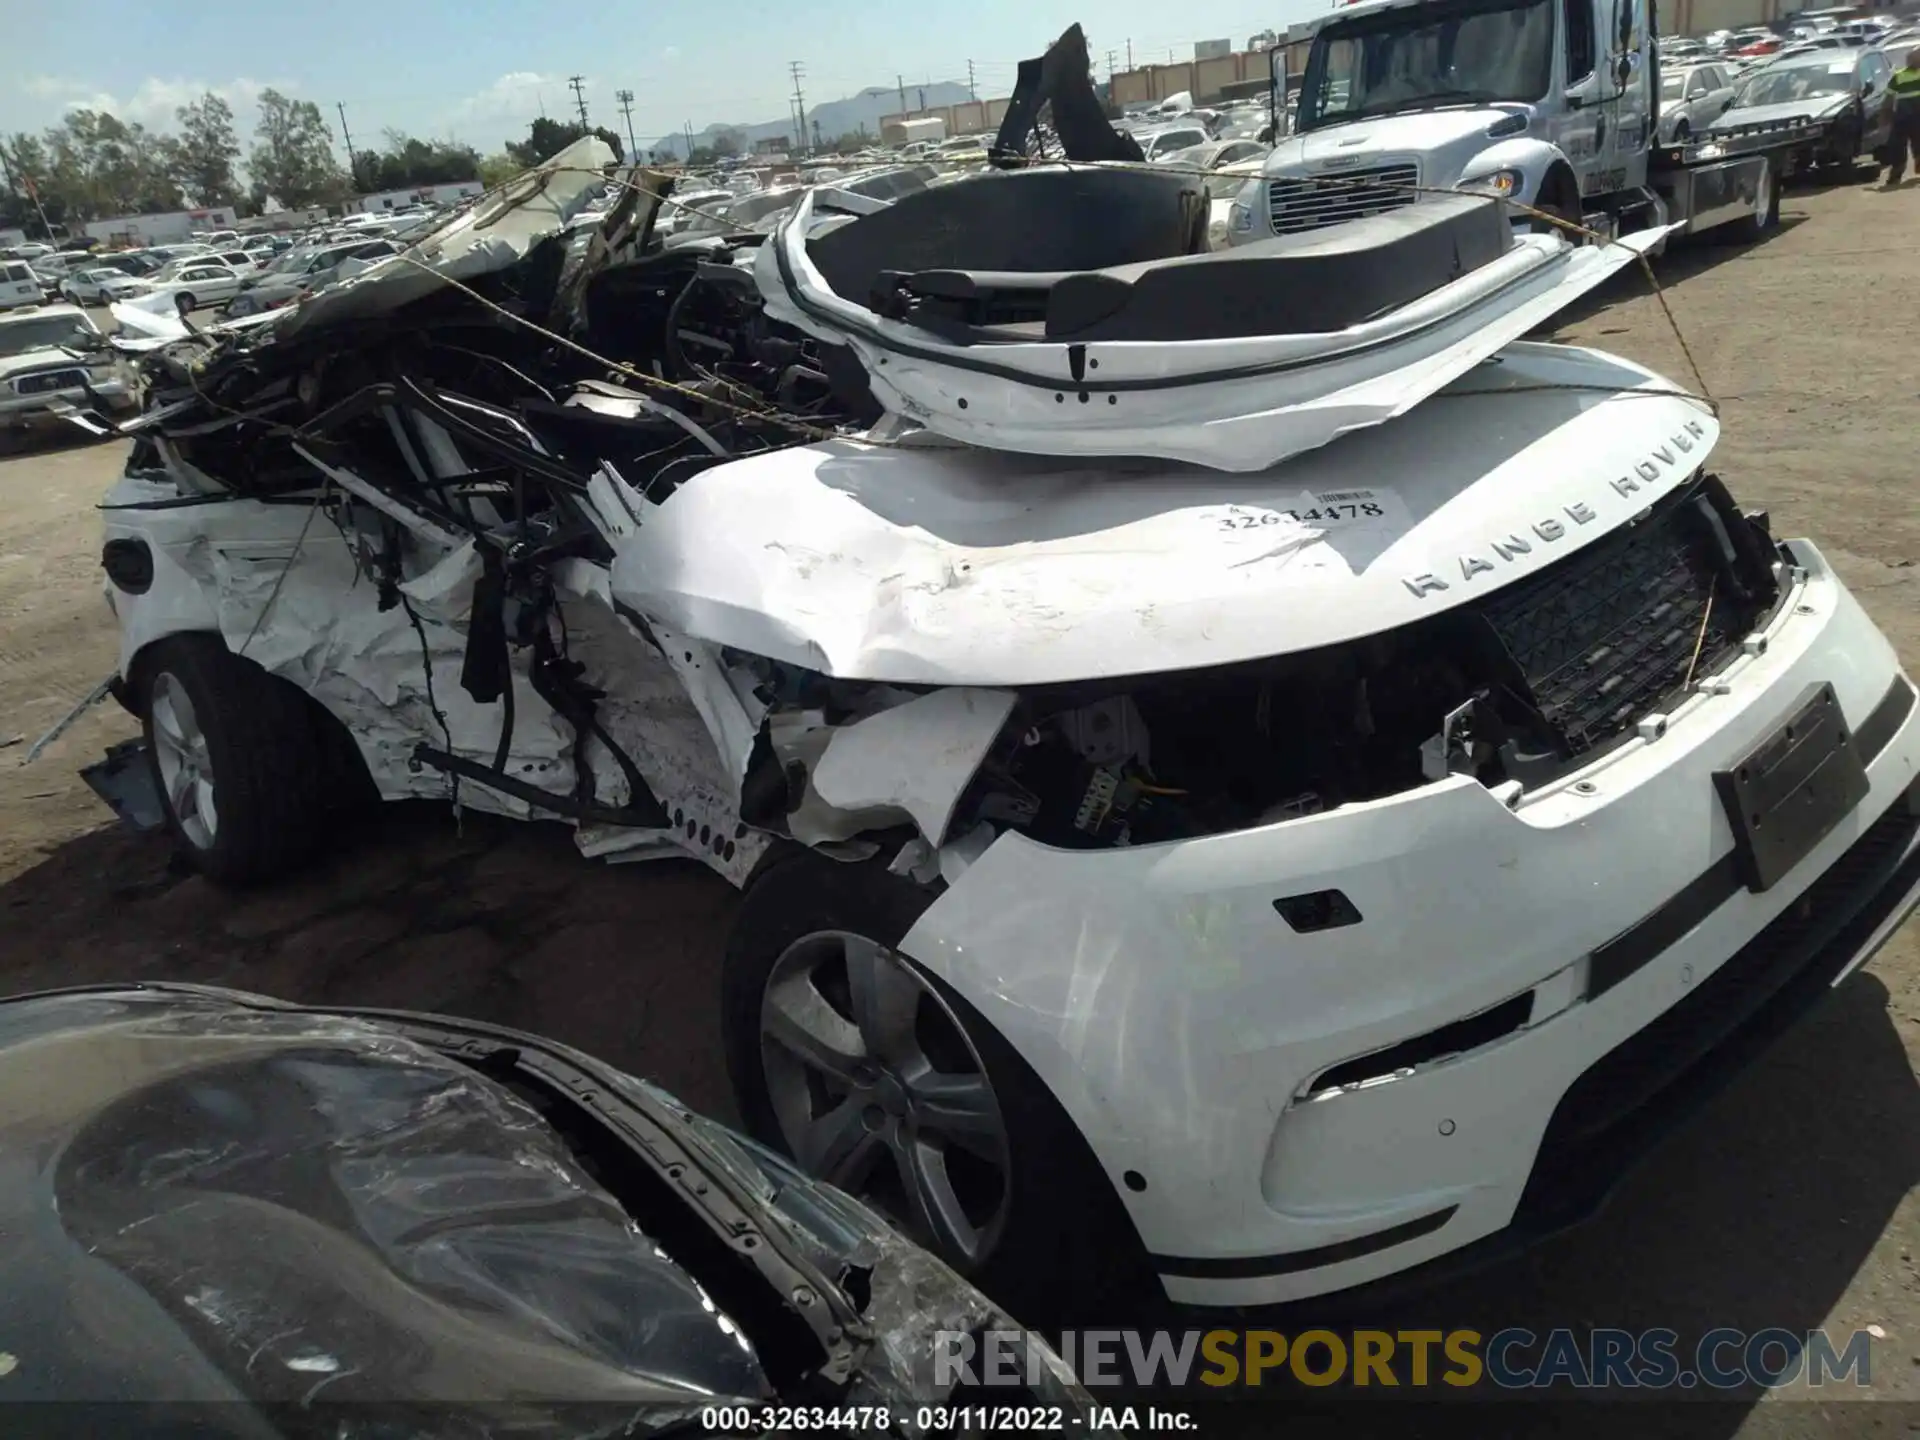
{"points": [[1692, 97], [100, 285], [54, 362], [1159, 144], [19, 285], [195, 286]]}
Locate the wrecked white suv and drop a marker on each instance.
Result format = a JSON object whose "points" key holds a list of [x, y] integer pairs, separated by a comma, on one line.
{"points": [[1246, 776]]}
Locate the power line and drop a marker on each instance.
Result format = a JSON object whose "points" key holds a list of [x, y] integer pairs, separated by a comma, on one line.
{"points": [[625, 97], [578, 82], [796, 69]]}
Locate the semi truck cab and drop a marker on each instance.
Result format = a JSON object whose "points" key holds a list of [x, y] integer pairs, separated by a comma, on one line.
{"points": [[1548, 103]]}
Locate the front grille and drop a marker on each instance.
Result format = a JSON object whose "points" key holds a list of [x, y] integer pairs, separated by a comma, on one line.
{"points": [[1309, 204], [49, 380], [1608, 633]]}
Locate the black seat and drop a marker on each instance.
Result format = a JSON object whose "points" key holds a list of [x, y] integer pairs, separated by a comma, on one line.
{"points": [[1305, 284], [1311, 283], [1027, 228]]}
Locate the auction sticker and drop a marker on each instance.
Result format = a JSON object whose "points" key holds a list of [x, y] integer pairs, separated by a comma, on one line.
{"points": [[1316, 510]]}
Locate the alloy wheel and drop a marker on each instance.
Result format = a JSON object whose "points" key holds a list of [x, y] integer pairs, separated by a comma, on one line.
{"points": [[876, 1088], [186, 768]]}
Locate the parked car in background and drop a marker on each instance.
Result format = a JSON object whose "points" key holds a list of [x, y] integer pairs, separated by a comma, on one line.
{"points": [[1846, 91], [29, 250], [100, 285], [1156, 144], [1692, 97], [1213, 155], [201, 284], [129, 262], [19, 285], [52, 361], [300, 272], [1750, 43]]}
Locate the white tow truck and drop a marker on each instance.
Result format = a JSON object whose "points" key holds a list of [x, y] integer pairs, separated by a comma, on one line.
{"points": [[1551, 104]]}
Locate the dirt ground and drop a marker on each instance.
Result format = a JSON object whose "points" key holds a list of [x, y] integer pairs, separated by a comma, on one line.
{"points": [[1791, 1202]]}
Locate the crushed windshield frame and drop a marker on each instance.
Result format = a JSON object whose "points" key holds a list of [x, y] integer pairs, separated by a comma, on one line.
{"points": [[1315, 89]]}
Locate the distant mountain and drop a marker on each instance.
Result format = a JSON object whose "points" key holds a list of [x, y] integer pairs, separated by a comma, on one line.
{"points": [[835, 117]]}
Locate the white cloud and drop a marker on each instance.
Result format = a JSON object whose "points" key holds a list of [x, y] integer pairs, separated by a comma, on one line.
{"points": [[154, 101], [672, 52], [514, 95]]}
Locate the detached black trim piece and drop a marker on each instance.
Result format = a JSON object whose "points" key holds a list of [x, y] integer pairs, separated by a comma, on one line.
{"points": [[1254, 1267], [1636, 947]]}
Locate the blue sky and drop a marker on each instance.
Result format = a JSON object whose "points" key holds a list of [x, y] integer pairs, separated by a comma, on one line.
{"points": [[480, 69]]}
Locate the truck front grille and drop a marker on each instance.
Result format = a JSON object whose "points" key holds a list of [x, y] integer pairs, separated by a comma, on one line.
{"points": [[1310, 203], [48, 381], [1603, 637]]}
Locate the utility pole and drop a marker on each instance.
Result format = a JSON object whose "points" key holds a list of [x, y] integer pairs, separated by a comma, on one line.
{"points": [[1109, 67], [797, 70], [1129, 54], [625, 97], [346, 135], [689, 125], [33, 191], [902, 83], [578, 82], [972, 89]]}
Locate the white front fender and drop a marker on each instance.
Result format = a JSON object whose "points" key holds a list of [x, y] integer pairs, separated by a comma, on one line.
{"points": [[1525, 160]]}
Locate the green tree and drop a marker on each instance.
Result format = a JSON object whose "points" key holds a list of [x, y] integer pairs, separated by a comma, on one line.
{"points": [[407, 162], [547, 138], [292, 159], [97, 166], [496, 170], [208, 151]]}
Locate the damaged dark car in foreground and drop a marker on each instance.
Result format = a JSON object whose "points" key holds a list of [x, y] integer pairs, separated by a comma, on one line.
{"points": [[258, 1219]]}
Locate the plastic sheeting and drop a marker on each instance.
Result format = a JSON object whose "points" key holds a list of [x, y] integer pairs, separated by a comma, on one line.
{"points": [[203, 1203]]}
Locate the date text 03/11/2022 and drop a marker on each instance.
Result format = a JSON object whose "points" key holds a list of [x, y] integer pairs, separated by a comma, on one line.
{"points": [[745, 1420]]}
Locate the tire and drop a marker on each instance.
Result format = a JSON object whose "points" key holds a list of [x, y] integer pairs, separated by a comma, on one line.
{"points": [[250, 771], [1560, 198], [1682, 132], [1765, 216], [1059, 1246], [185, 303]]}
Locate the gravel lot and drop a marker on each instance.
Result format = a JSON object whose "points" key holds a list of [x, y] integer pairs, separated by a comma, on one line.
{"points": [[1791, 1202]]}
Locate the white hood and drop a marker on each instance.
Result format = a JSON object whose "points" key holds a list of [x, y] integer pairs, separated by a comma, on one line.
{"points": [[947, 565], [1338, 147]]}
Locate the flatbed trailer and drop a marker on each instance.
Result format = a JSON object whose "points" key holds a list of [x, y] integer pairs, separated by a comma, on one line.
{"points": [[1729, 175]]}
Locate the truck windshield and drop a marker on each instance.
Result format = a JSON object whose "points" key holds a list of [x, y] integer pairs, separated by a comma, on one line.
{"points": [[1445, 53]]}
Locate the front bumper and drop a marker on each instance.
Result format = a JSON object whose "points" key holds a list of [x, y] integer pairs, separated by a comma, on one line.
{"points": [[1590, 953]]}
